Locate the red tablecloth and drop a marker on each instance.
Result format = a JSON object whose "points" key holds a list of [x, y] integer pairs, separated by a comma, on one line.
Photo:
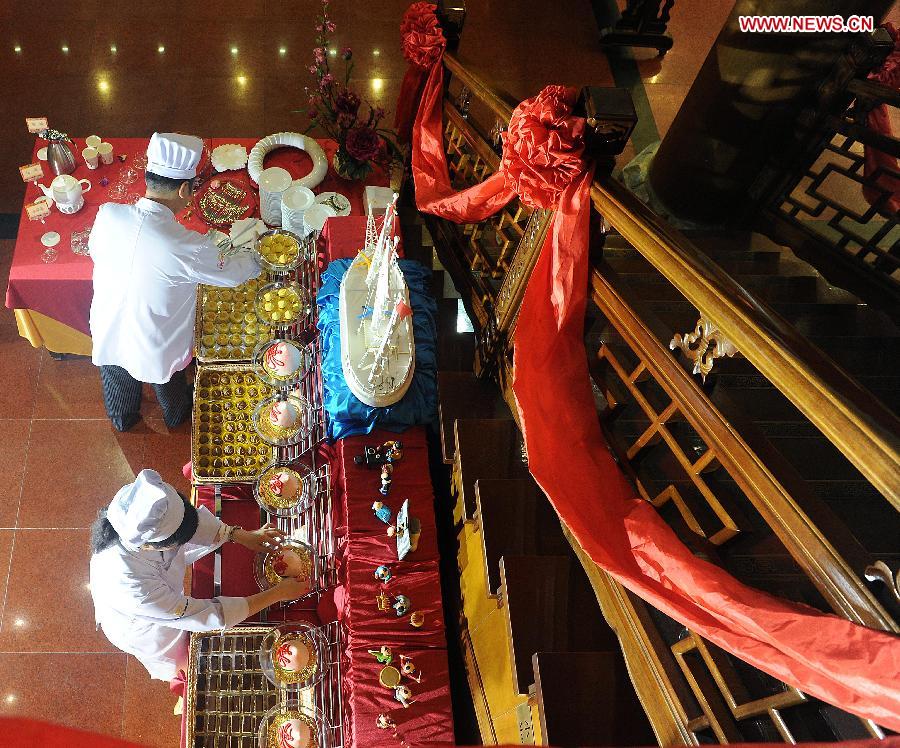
{"points": [[62, 290], [362, 546]]}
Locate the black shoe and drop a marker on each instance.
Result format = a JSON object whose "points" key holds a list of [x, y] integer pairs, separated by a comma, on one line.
{"points": [[125, 423]]}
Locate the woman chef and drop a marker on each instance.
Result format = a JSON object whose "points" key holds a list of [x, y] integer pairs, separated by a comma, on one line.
{"points": [[146, 270], [142, 544]]}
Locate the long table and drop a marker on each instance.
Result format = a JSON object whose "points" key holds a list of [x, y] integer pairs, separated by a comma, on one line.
{"points": [[52, 300], [362, 545]]}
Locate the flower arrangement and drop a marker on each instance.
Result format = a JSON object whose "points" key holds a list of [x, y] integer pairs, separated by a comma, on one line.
{"points": [[341, 113]]}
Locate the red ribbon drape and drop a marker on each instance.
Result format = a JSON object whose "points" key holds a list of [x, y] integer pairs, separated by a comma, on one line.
{"points": [[850, 666], [879, 120]]}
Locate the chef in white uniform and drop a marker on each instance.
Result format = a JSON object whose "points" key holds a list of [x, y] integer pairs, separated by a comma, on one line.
{"points": [[146, 270], [142, 544]]}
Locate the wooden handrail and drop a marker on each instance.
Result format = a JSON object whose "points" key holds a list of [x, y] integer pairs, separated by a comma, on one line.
{"points": [[853, 420], [479, 88]]}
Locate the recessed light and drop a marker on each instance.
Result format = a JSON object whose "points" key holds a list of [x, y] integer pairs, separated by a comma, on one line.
{"points": [[234, 50], [17, 49], [332, 52], [376, 52], [160, 49], [65, 47], [282, 50], [377, 84], [113, 48]]}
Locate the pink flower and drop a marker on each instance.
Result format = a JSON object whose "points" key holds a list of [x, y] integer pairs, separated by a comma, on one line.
{"points": [[346, 53], [319, 27], [347, 102], [313, 113], [326, 81], [363, 143], [330, 26], [312, 69], [319, 53]]}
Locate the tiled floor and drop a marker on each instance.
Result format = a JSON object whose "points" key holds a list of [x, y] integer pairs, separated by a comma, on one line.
{"points": [[61, 461]]}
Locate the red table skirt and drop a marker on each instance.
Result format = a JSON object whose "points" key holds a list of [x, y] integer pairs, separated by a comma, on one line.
{"points": [[363, 545], [62, 290]]}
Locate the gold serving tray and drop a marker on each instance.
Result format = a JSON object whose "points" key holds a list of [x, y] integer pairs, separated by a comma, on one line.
{"points": [[225, 447], [227, 327]]}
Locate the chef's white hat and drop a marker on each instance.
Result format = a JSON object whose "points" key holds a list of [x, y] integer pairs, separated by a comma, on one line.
{"points": [[171, 154], [146, 511]]}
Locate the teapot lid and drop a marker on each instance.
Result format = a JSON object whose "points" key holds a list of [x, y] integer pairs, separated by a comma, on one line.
{"points": [[63, 181], [53, 135]]}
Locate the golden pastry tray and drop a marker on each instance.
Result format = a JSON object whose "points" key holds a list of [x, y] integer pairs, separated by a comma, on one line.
{"points": [[227, 327], [225, 447]]}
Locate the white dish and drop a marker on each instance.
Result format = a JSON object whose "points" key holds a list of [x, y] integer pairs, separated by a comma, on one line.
{"points": [[314, 218], [228, 157], [50, 239], [42, 154], [337, 202], [289, 140]]}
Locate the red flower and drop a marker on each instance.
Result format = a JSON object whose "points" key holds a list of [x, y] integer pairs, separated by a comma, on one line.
{"points": [[422, 40], [347, 102], [363, 143], [543, 148]]}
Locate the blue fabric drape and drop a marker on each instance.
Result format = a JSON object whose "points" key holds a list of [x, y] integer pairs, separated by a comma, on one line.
{"points": [[347, 415]]}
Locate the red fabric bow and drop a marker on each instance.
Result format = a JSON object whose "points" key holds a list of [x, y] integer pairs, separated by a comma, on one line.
{"points": [[421, 38], [543, 147], [423, 45]]}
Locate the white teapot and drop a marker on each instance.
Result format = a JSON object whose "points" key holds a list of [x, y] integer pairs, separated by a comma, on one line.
{"points": [[67, 192]]}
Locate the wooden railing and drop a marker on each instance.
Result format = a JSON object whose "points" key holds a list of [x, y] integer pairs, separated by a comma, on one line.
{"points": [[821, 202], [725, 489]]}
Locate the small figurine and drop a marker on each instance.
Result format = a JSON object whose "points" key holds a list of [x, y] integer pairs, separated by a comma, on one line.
{"points": [[383, 722], [382, 511], [393, 451], [383, 574], [387, 476], [403, 694], [417, 619], [408, 668], [383, 655], [373, 457], [104, 182], [384, 602], [401, 605]]}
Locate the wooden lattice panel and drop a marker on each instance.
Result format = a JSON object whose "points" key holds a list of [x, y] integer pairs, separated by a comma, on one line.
{"points": [[493, 242]]}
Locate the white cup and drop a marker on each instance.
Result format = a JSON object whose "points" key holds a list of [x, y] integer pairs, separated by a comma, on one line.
{"points": [[273, 183], [92, 141], [91, 157], [106, 153], [294, 202]]}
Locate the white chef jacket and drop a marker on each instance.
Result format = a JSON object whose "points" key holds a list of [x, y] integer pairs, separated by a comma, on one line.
{"points": [[139, 598], [146, 270]]}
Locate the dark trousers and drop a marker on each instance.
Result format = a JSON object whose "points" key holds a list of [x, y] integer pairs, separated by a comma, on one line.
{"points": [[122, 398]]}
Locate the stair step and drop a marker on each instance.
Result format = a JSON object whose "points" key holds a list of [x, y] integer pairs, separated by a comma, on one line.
{"points": [[769, 288], [462, 394], [534, 594], [586, 698], [485, 448], [515, 519], [753, 263]]}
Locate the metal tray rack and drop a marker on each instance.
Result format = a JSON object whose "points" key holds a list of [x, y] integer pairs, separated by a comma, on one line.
{"points": [[227, 694], [307, 275], [310, 388], [314, 525]]}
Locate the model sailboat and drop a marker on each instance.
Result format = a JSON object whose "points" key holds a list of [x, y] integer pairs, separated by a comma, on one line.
{"points": [[377, 345]]}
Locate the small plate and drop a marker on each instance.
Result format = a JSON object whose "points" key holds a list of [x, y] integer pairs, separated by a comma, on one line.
{"points": [[336, 201], [314, 218], [50, 239], [42, 154], [229, 157]]}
